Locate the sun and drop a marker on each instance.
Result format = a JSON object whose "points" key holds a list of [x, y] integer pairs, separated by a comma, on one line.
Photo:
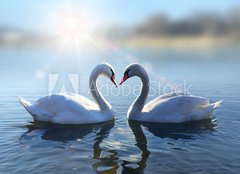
{"points": [[73, 28]]}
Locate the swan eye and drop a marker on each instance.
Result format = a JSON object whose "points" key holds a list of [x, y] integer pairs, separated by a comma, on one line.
{"points": [[127, 71]]}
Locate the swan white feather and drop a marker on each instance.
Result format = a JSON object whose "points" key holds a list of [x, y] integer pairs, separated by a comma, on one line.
{"points": [[73, 108], [168, 108]]}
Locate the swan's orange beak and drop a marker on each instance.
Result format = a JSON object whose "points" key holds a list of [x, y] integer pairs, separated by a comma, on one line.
{"points": [[113, 80], [125, 77]]}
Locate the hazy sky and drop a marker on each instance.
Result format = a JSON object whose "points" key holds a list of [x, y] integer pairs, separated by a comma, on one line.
{"points": [[36, 14]]}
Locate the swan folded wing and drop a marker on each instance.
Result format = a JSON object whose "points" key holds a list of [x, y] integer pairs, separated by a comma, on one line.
{"points": [[151, 104], [57, 104], [179, 108], [172, 94], [84, 101]]}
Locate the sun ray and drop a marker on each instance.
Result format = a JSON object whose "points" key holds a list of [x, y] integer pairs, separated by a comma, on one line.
{"points": [[71, 28]]}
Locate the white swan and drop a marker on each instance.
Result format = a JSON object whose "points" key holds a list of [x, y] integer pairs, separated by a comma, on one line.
{"points": [[74, 108], [168, 108]]}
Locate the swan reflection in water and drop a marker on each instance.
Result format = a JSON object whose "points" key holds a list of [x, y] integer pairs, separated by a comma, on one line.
{"points": [[111, 162], [188, 130], [74, 133]]}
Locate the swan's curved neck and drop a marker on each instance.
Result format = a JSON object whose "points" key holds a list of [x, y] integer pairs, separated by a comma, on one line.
{"points": [[138, 104], [102, 103]]}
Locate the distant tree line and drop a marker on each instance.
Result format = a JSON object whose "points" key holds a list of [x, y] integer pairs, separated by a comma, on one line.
{"points": [[200, 23]]}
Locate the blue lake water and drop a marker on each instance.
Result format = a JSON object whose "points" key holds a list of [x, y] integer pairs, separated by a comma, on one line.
{"points": [[119, 146]]}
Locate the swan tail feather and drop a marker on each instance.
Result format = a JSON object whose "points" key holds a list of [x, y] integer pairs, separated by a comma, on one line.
{"points": [[217, 104], [25, 104]]}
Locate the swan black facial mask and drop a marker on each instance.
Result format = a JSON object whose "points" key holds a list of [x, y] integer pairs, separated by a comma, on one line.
{"points": [[113, 78]]}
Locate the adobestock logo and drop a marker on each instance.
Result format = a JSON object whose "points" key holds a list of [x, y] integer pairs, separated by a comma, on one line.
{"points": [[70, 83], [59, 83]]}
